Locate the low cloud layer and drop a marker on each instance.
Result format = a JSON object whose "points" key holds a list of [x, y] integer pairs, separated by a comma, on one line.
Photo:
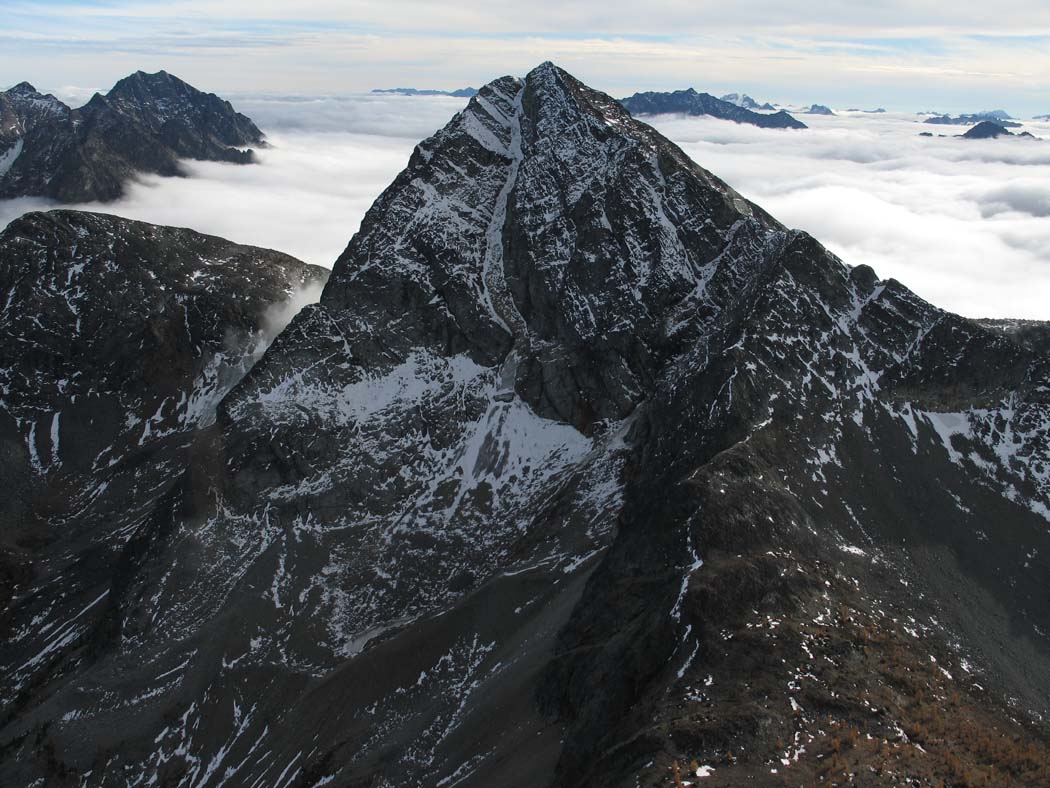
{"points": [[961, 222], [328, 161]]}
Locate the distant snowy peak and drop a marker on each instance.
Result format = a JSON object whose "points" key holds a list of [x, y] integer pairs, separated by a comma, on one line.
{"points": [[746, 102], [818, 109], [146, 123]]}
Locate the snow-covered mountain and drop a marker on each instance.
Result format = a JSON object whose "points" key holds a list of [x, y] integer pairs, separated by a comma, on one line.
{"points": [[745, 101], [146, 123], [584, 471]]}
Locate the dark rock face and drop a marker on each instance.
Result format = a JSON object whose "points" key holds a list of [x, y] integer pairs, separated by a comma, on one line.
{"points": [[582, 467], [690, 102], [146, 123], [118, 340], [819, 109]]}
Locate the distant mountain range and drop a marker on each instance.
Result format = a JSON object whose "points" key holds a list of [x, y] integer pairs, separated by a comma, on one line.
{"points": [[986, 130], [145, 124], [998, 116], [689, 102], [461, 93]]}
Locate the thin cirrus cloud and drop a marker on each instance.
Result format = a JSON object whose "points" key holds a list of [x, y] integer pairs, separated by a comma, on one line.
{"points": [[961, 222], [893, 53]]}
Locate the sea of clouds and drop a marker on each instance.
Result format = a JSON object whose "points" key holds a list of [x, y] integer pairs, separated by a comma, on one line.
{"points": [[964, 223], [327, 160]]}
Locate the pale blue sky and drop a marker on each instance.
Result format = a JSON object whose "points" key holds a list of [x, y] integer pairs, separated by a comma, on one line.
{"points": [[922, 54]]}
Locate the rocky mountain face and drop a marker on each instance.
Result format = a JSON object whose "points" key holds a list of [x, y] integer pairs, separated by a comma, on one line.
{"points": [[689, 102], [584, 471], [145, 124], [119, 339], [819, 109]]}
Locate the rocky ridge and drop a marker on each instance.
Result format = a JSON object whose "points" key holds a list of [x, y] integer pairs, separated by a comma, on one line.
{"points": [[145, 124]]}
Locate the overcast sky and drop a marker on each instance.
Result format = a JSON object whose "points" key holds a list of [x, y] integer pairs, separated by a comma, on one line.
{"points": [[949, 55]]}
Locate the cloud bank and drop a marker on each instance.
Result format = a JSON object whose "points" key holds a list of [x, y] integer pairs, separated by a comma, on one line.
{"points": [[961, 222]]}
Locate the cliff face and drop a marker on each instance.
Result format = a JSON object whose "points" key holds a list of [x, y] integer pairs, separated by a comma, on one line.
{"points": [[583, 466], [119, 340], [145, 124]]}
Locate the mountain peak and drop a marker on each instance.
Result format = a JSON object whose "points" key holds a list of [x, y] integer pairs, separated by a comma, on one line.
{"points": [[987, 129], [154, 76], [23, 89], [142, 81], [601, 285]]}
